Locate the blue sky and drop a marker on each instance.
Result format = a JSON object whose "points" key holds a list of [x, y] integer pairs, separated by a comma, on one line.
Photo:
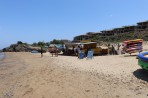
{"points": [[44, 20]]}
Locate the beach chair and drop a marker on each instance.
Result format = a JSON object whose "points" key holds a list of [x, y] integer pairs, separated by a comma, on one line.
{"points": [[81, 55], [90, 54]]}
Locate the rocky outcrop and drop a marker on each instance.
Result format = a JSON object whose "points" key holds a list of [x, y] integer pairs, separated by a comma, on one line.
{"points": [[21, 48]]}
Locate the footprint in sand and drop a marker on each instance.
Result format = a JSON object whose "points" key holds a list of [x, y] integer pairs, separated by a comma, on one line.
{"points": [[30, 90], [26, 86]]}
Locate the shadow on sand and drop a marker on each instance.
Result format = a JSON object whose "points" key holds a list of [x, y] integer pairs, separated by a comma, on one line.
{"points": [[141, 74], [130, 55]]}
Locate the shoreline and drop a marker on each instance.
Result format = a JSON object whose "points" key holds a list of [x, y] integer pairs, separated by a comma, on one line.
{"points": [[2, 55]]}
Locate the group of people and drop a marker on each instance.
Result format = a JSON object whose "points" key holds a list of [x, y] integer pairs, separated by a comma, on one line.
{"points": [[54, 51], [113, 51]]}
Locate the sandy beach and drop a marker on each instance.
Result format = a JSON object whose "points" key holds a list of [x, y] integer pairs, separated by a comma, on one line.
{"points": [[26, 75]]}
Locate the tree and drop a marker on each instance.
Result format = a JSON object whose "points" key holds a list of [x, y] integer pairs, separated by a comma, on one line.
{"points": [[34, 44], [25, 43], [47, 44], [56, 42], [19, 42], [41, 44], [4, 49]]}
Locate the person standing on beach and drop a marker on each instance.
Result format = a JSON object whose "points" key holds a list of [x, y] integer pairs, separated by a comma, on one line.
{"points": [[113, 50], [41, 52], [78, 50], [56, 51]]}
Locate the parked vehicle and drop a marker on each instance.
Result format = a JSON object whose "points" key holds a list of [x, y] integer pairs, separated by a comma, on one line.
{"points": [[34, 51]]}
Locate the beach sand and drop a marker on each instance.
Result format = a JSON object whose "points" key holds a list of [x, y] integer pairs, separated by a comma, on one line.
{"points": [[26, 75]]}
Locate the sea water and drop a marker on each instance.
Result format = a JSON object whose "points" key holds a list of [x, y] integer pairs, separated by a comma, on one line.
{"points": [[1, 55]]}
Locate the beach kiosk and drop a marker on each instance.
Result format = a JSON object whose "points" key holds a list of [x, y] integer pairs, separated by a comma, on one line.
{"points": [[70, 48]]}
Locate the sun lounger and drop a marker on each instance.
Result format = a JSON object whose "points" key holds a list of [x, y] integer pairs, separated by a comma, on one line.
{"points": [[81, 55], [90, 54]]}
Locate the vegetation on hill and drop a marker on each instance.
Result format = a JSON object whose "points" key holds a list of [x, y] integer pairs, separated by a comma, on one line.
{"points": [[123, 36]]}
